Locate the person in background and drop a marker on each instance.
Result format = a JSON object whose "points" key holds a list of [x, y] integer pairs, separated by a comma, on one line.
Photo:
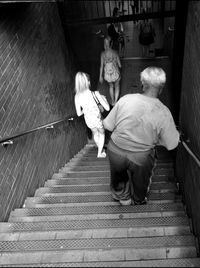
{"points": [[110, 69], [135, 9], [138, 123], [146, 37], [86, 105], [116, 33]]}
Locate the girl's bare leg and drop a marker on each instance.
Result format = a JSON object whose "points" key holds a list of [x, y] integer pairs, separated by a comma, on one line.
{"points": [[117, 90], [101, 153], [96, 136], [111, 90]]}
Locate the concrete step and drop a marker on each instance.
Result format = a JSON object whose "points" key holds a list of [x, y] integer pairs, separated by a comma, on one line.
{"points": [[105, 173], [39, 218], [105, 161], [101, 250], [85, 174], [94, 162], [164, 184], [189, 262], [75, 168], [155, 178], [102, 166], [88, 158], [60, 188], [93, 154], [164, 171], [94, 224], [98, 243], [97, 233], [94, 213], [110, 210], [169, 164], [98, 189], [62, 199]]}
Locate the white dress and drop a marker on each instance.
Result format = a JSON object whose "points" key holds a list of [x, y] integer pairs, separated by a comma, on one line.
{"points": [[91, 111]]}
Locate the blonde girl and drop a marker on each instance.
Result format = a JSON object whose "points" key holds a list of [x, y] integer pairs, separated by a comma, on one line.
{"points": [[86, 105]]}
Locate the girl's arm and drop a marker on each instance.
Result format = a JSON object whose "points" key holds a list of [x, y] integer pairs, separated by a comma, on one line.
{"points": [[101, 70], [79, 110], [102, 99]]}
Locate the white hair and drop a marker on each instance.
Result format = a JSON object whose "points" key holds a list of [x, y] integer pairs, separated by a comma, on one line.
{"points": [[153, 76], [82, 82]]}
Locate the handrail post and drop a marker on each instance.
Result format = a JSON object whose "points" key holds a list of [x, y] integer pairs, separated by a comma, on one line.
{"points": [[6, 143]]}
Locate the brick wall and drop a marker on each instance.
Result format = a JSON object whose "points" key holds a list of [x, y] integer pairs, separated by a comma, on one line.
{"points": [[188, 171], [36, 87]]}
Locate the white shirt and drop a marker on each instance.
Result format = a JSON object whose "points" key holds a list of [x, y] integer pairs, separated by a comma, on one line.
{"points": [[139, 122]]}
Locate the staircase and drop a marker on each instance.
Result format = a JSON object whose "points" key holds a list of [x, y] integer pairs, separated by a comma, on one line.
{"points": [[73, 222]]}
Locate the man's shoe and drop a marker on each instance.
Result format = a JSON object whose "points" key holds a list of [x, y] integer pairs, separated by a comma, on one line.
{"points": [[141, 202], [127, 202]]}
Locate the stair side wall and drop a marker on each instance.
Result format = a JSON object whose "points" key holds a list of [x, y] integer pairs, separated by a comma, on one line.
{"points": [[188, 171], [36, 87]]}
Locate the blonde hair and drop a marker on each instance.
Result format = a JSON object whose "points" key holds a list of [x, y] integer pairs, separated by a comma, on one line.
{"points": [[82, 82], [153, 76]]}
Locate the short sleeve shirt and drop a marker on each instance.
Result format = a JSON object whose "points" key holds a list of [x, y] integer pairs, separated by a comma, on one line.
{"points": [[139, 122]]}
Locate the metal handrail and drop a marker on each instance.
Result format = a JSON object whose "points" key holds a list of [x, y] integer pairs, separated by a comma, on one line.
{"points": [[9, 140], [190, 152]]}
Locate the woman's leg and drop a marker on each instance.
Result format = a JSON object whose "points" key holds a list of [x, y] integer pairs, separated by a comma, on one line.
{"points": [[95, 136], [111, 91], [101, 141], [117, 90]]}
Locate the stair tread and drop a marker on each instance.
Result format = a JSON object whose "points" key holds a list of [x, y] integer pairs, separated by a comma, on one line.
{"points": [[114, 232], [56, 195], [16, 218], [100, 181], [60, 176], [92, 255], [87, 224], [189, 262], [99, 209], [99, 243], [94, 188], [30, 204]]}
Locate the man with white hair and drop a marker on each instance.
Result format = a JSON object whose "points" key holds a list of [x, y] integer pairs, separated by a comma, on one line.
{"points": [[138, 123]]}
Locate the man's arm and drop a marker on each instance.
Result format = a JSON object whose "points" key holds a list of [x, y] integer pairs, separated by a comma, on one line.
{"points": [[169, 135], [109, 122]]}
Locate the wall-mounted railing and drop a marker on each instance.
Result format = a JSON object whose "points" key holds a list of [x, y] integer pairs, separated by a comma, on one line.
{"points": [[187, 148], [188, 173], [10, 139]]}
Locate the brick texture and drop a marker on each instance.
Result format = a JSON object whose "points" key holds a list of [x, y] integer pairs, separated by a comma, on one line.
{"points": [[37, 87], [188, 171]]}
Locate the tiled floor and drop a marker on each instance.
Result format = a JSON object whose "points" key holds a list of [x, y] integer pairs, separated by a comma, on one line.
{"points": [[133, 62]]}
